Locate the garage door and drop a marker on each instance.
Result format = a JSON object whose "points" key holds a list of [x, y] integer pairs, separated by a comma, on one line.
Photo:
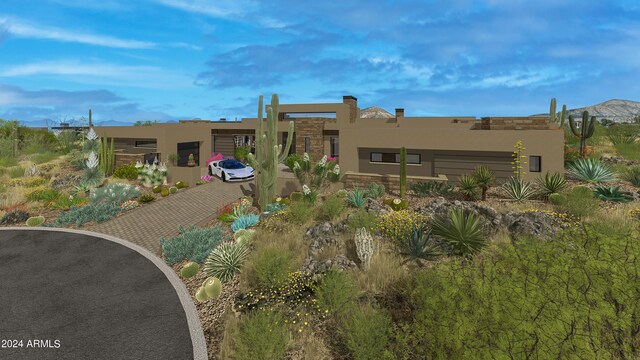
{"points": [[453, 164], [224, 144]]}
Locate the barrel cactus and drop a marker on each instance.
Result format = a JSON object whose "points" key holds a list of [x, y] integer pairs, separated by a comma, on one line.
{"points": [[156, 189], [35, 221], [201, 294], [173, 190], [164, 191], [189, 269], [211, 289]]}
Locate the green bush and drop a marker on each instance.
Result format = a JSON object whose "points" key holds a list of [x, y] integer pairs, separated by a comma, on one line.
{"points": [[375, 190], [363, 219], [48, 196], [261, 335], [146, 198], [367, 334], [632, 175], [331, 208], [269, 267], [468, 186], [291, 160], [115, 193], [299, 212], [551, 183], [99, 212], [336, 294], [573, 298], [431, 187], [462, 230], [240, 153], [629, 151], [44, 157], [192, 243], [126, 171], [580, 202], [15, 172]]}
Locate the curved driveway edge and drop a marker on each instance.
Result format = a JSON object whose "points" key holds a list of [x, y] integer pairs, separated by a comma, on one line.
{"points": [[193, 321]]}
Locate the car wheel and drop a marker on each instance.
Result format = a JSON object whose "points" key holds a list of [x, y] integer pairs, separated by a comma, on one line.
{"points": [[210, 172], [223, 177]]}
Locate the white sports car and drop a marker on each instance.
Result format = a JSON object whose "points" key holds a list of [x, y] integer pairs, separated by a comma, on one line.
{"points": [[230, 170]]}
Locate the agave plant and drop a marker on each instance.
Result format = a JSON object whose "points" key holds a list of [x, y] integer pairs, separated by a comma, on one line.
{"points": [[612, 193], [590, 170], [551, 183], [245, 222], [225, 260], [419, 246], [518, 189], [357, 198], [468, 186], [632, 175], [484, 178], [463, 231]]}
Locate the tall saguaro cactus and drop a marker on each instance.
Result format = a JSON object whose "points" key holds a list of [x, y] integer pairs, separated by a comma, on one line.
{"points": [[586, 130], [403, 171], [553, 118], [268, 152], [107, 156]]}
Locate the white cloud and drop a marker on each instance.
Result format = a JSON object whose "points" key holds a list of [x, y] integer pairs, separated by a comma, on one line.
{"points": [[221, 9], [24, 29], [100, 73]]}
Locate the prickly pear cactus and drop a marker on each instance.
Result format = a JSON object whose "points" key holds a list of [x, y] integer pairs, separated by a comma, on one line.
{"points": [[35, 221]]}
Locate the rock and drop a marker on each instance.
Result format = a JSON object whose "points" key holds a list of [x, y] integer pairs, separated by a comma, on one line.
{"points": [[440, 205], [377, 207], [66, 181], [538, 224], [619, 160], [315, 267]]}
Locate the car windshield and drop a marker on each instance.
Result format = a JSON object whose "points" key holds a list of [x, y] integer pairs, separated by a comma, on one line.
{"points": [[231, 164]]}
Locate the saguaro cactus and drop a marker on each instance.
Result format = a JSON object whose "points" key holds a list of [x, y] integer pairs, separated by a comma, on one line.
{"points": [[403, 171], [268, 152], [586, 130], [107, 156], [553, 118]]}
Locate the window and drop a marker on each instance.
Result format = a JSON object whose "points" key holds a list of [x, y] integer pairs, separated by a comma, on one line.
{"points": [[309, 114], [335, 148], [186, 148], [307, 144], [394, 158], [147, 144], [535, 163]]}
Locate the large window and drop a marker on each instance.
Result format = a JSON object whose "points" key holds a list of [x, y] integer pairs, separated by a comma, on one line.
{"points": [[535, 163], [335, 148], [394, 158], [147, 144], [186, 148]]}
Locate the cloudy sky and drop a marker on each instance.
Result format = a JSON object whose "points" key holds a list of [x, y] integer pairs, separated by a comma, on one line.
{"points": [[169, 59]]}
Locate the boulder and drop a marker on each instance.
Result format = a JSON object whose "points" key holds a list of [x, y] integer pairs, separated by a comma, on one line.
{"points": [[440, 205], [377, 207], [541, 225]]}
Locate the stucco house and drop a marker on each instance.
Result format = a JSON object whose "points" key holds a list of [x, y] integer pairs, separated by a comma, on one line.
{"points": [[367, 149]]}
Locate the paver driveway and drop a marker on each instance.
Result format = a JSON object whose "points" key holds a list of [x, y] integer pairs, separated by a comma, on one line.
{"points": [[196, 205]]}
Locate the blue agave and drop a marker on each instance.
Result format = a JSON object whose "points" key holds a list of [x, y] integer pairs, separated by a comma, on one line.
{"points": [[245, 222]]}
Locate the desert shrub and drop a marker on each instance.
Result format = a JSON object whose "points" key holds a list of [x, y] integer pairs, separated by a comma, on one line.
{"points": [[629, 151], [462, 230], [44, 157], [571, 298], [368, 333], [47, 196], [146, 198], [551, 183], [590, 170], [429, 188], [277, 223], [98, 212], [64, 202], [240, 153], [225, 260], [192, 243], [260, 335], [579, 202], [632, 175], [16, 216], [357, 198], [268, 267], [115, 194], [363, 219], [468, 186], [291, 160], [31, 181], [299, 212], [336, 294], [397, 226], [15, 172], [294, 292], [126, 171], [375, 190], [331, 208]]}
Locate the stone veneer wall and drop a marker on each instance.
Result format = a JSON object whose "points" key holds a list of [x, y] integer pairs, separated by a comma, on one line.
{"points": [[515, 123], [121, 158], [312, 128], [390, 182]]}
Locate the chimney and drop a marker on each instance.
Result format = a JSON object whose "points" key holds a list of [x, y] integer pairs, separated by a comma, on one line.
{"points": [[399, 115], [353, 107]]}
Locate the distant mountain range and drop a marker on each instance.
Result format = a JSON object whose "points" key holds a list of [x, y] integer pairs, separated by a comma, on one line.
{"points": [[374, 112], [615, 110]]}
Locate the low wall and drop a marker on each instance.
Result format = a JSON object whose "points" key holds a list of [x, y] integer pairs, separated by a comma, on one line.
{"points": [[390, 182], [122, 158]]}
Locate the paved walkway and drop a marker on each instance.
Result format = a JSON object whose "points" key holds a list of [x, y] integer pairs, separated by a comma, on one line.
{"points": [[196, 205]]}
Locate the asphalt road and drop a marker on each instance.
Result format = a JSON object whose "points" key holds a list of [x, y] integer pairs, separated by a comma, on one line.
{"points": [[67, 295]]}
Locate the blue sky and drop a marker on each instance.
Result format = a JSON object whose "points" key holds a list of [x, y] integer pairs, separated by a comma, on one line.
{"points": [[181, 59]]}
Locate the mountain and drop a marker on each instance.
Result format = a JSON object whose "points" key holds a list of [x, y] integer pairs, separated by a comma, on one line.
{"points": [[374, 112], [615, 110]]}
